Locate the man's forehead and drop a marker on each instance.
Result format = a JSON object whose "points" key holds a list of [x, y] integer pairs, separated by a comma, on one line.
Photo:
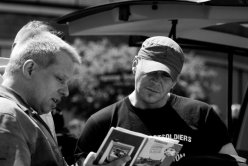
{"points": [[66, 73]]}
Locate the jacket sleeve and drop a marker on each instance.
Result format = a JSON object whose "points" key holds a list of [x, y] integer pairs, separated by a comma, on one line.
{"points": [[14, 150]]}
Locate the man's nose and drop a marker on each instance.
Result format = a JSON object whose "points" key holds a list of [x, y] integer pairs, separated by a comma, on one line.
{"points": [[64, 91]]}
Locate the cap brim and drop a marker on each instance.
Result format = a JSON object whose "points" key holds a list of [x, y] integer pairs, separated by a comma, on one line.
{"points": [[150, 66]]}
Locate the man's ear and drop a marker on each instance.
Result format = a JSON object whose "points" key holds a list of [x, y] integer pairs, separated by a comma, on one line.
{"points": [[134, 64], [29, 67]]}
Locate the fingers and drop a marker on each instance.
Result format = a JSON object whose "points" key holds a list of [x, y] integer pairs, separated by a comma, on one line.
{"points": [[90, 159]]}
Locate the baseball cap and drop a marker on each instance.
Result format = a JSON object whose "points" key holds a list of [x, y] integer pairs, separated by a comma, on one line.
{"points": [[160, 53]]}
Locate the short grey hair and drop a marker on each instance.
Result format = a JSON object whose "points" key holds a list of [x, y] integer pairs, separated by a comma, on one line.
{"points": [[43, 48], [32, 28]]}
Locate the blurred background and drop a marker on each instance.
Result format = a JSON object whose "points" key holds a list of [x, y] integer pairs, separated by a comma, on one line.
{"points": [[105, 74]]}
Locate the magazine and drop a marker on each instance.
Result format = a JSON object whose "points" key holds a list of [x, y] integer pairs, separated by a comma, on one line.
{"points": [[144, 150]]}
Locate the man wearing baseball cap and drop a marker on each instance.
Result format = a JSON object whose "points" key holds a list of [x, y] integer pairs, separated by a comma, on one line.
{"points": [[151, 108]]}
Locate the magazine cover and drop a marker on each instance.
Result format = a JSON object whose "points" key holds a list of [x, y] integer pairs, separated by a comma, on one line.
{"points": [[157, 153], [116, 150], [143, 149], [118, 143]]}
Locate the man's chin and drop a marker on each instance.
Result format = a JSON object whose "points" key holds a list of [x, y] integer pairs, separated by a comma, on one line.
{"points": [[46, 111], [153, 99]]}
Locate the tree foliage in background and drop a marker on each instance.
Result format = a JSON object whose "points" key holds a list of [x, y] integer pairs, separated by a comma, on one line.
{"points": [[197, 79], [105, 77]]}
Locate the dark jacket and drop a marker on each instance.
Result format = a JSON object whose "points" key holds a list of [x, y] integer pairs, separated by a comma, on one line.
{"points": [[25, 139]]}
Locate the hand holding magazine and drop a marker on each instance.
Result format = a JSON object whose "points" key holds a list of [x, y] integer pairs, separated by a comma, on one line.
{"points": [[143, 149]]}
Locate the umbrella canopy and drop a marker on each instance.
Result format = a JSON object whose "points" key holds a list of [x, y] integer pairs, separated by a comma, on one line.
{"points": [[208, 21]]}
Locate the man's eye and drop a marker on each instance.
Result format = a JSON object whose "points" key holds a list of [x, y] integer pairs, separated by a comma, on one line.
{"points": [[60, 79], [165, 75]]}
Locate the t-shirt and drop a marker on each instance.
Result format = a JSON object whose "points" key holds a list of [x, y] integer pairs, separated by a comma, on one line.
{"points": [[194, 123]]}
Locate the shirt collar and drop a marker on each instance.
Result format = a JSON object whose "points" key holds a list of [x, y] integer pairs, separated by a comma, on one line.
{"points": [[14, 96]]}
